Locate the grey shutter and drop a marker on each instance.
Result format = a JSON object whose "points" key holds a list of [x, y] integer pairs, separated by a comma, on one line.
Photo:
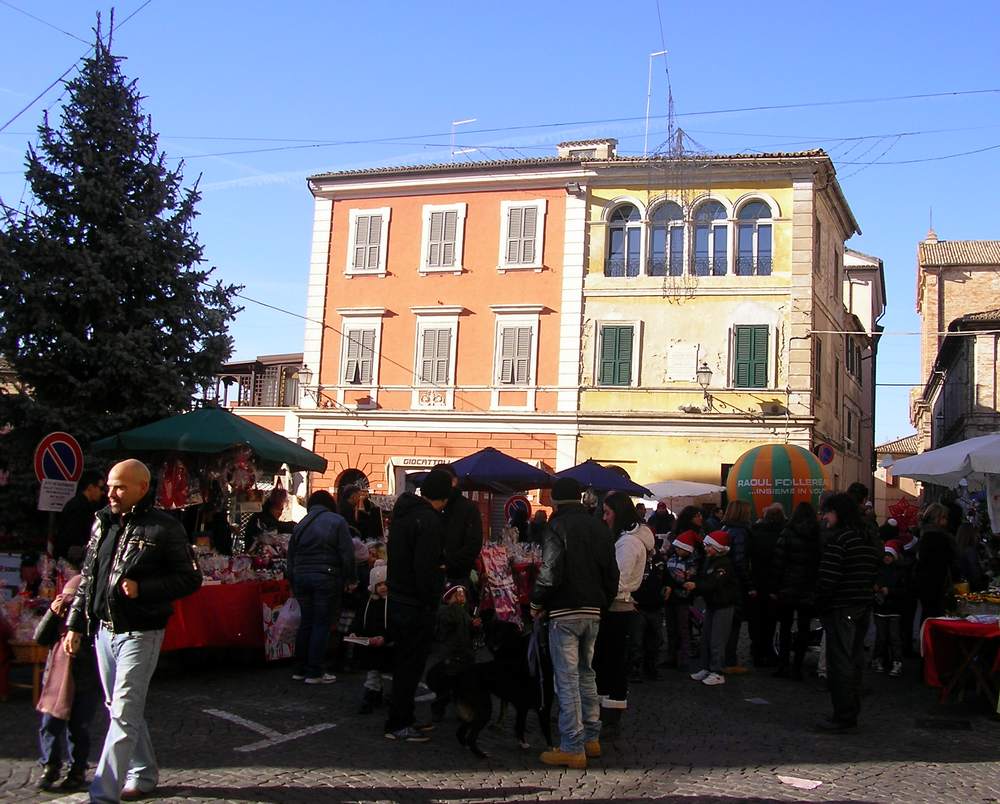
{"points": [[428, 343], [515, 225], [434, 240], [367, 357], [522, 363], [361, 242], [442, 357], [528, 232], [374, 241], [508, 354], [435, 356], [448, 235], [351, 363]]}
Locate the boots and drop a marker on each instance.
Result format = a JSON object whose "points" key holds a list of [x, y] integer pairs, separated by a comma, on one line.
{"points": [[48, 777], [371, 699]]}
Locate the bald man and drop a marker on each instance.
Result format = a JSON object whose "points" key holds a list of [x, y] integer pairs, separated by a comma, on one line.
{"points": [[138, 561]]}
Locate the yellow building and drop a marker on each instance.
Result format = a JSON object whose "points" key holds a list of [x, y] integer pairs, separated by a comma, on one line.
{"points": [[715, 315]]}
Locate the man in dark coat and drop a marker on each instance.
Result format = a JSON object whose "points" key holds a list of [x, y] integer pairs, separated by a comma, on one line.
{"points": [[77, 516], [416, 580], [463, 532]]}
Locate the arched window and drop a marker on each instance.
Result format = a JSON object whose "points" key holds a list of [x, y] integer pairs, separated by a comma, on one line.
{"points": [[753, 240], [710, 225], [666, 237], [624, 242]]}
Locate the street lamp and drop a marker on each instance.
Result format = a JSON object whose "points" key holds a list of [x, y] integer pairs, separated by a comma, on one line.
{"points": [[704, 375]]}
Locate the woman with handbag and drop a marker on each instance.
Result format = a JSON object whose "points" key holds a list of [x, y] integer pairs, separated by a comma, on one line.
{"points": [[69, 698]]}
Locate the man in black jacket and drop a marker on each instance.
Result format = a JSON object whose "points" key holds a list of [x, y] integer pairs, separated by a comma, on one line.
{"points": [[138, 561], [77, 517], [416, 580], [578, 578], [463, 532]]}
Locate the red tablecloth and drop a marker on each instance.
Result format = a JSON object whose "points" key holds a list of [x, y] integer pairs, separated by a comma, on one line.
{"points": [[941, 650], [223, 615]]}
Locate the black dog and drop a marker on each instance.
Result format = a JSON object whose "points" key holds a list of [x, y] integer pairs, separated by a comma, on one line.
{"points": [[510, 678]]}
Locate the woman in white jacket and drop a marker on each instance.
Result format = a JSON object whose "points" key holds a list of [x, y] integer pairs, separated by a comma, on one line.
{"points": [[633, 544]]}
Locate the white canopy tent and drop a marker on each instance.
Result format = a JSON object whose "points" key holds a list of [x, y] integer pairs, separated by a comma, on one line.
{"points": [[672, 489], [973, 460]]}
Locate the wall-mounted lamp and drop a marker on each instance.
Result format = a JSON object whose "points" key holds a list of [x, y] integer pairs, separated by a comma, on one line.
{"points": [[704, 375], [304, 375]]}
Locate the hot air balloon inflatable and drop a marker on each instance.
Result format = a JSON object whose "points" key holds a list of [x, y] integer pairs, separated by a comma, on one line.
{"points": [[781, 473]]}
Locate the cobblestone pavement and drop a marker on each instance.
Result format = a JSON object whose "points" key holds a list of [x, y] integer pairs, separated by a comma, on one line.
{"points": [[681, 741]]}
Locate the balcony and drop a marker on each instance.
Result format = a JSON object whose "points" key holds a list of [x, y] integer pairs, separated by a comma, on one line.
{"points": [[267, 382]]}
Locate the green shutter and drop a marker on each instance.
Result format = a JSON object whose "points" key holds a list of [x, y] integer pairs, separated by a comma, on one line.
{"points": [[751, 357], [616, 355]]}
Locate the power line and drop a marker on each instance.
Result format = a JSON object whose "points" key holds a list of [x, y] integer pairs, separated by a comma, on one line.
{"points": [[44, 22]]}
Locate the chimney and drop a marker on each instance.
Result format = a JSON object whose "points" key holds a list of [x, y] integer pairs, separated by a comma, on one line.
{"points": [[588, 149], [931, 236]]}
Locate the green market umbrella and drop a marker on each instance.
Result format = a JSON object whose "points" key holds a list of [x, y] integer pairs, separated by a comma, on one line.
{"points": [[212, 430]]}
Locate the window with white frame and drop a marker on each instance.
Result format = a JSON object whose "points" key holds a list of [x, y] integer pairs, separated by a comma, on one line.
{"points": [[618, 353], [516, 352], [368, 236], [522, 235], [624, 242], [852, 429], [435, 356], [753, 239], [442, 238], [710, 239], [360, 345], [666, 240]]}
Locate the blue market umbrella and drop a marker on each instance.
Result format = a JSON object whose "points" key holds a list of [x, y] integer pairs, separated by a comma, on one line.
{"points": [[601, 478], [491, 470]]}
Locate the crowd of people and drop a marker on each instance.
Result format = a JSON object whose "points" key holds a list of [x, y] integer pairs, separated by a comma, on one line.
{"points": [[621, 595]]}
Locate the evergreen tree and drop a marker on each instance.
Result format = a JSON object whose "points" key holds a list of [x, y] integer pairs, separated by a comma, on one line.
{"points": [[105, 311]]}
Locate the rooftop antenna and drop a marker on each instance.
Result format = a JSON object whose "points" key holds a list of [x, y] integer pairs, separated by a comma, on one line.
{"points": [[454, 125], [649, 98]]}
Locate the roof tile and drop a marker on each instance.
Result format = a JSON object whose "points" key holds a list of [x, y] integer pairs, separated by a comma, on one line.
{"points": [[907, 445], [959, 252]]}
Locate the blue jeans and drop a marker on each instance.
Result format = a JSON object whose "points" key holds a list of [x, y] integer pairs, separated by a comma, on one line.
{"points": [[318, 595], [571, 642], [58, 739], [126, 662]]}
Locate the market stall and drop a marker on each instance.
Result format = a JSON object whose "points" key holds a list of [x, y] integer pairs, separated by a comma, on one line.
{"points": [[959, 651], [212, 467]]}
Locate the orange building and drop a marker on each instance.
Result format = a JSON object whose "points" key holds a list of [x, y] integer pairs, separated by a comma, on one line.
{"points": [[450, 301]]}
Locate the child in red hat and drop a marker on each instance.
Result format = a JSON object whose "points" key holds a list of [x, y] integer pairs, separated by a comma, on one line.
{"points": [[718, 585], [682, 566], [890, 594]]}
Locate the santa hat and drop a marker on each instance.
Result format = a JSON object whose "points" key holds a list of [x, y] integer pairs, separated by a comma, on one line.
{"points": [[377, 575], [718, 539], [450, 591], [686, 540], [894, 547]]}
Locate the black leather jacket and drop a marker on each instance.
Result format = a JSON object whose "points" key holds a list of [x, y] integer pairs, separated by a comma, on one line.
{"points": [[579, 574], [153, 551]]}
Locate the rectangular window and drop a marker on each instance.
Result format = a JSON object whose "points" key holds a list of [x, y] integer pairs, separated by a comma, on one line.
{"points": [[849, 442], [616, 350], [718, 251], [836, 389], [744, 256], [359, 356], [818, 370], [676, 251], [702, 263], [522, 228], [751, 356], [515, 356], [435, 356], [658, 251], [367, 242], [764, 250], [441, 239]]}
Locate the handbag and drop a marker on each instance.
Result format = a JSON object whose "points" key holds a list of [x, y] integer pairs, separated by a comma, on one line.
{"points": [[49, 629]]}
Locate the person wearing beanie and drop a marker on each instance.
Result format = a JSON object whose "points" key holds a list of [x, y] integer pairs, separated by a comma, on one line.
{"points": [[682, 566], [578, 579], [376, 656], [453, 651], [463, 532], [889, 605], [416, 577], [718, 585]]}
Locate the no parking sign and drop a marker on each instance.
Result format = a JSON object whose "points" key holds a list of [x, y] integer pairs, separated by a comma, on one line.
{"points": [[58, 465]]}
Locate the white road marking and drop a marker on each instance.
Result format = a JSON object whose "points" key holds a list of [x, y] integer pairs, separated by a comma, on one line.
{"points": [[272, 737]]}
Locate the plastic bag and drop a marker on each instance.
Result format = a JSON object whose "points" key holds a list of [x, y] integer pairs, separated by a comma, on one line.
{"points": [[287, 624]]}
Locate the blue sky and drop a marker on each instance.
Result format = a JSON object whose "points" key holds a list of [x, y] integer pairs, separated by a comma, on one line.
{"points": [[334, 71]]}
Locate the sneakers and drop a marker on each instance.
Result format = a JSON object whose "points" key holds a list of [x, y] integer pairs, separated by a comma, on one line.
{"points": [[298, 676], [701, 675], [326, 678], [407, 735], [877, 666], [592, 748], [897, 670], [423, 728], [565, 759], [713, 680]]}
